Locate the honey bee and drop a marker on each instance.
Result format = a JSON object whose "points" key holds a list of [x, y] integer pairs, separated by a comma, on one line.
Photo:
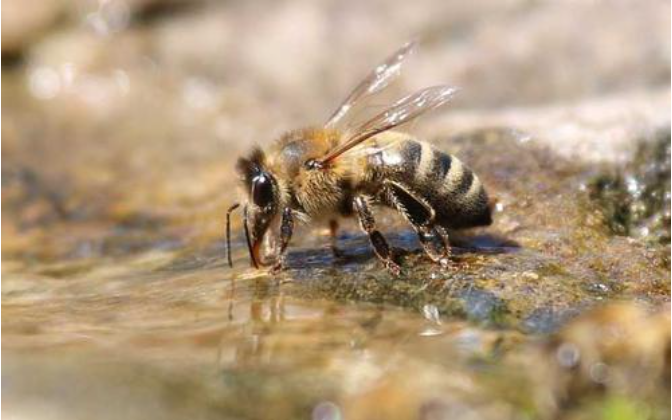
{"points": [[325, 173]]}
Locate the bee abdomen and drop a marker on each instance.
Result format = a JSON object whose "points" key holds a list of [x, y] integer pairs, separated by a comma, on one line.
{"points": [[454, 190], [411, 155], [450, 187], [401, 161]]}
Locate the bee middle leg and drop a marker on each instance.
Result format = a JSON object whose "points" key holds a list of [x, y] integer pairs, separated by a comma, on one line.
{"points": [[286, 231], [433, 237], [333, 236], [368, 224]]}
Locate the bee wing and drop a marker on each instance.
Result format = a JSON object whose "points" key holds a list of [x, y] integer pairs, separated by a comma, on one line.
{"points": [[404, 110], [369, 147], [377, 80]]}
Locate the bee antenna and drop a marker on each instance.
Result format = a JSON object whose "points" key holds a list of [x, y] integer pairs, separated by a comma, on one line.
{"points": [[228, 232]]}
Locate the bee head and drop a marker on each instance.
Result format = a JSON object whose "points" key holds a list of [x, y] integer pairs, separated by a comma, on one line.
{"points": [[263, 200]]}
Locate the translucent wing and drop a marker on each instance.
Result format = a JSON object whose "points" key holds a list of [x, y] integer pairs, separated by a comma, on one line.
{"points": [[369, 147], [403, 111], [374, 82]]}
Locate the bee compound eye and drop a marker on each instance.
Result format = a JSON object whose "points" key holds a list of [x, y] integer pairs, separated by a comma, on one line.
{"points": [[262, 190]]}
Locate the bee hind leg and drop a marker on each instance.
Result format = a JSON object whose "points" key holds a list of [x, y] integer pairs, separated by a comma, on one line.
{"points": [[378, 242], [435, 242], [433, 237]]}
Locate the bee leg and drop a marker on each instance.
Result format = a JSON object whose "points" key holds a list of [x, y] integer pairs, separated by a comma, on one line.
{"points": [[286, 231], [368, 224], [333, 235], [436, 244], [433, 238]]}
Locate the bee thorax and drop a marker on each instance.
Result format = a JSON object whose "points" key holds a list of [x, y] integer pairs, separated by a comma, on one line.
{"points": [[319, 192]]}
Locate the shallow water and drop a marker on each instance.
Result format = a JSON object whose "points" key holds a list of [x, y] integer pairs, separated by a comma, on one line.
{"points": [[245, 347]]}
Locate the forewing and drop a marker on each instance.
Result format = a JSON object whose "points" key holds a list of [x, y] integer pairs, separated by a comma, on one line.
{"points": [[403, 111], [374, 82]]}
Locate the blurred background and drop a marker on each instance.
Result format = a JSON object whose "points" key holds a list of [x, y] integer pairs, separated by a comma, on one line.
{"points": [[122, 122]]}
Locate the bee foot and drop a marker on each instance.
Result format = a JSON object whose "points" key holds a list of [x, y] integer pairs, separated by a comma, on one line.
{"points": [[278, 267], [446, 264], [393, 268], [338, 253]]}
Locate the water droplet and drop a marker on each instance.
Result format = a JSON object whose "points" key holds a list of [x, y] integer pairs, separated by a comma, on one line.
{"points": [[599, 372], [632, 185], [431, 313], [326, 410], [111, 16], [599, 288], [568, 355]]}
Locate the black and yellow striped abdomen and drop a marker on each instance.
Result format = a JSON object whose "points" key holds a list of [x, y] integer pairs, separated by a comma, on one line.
{"points": [[445, 183]]}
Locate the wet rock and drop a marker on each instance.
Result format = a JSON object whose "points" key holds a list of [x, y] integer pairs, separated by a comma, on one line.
{"points": [[481, 305], [547, 320], [616, 355], [635, 199], [550, 254], [623, 347]]}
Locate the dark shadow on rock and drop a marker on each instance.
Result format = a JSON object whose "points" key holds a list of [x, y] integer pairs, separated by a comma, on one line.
{"points": [[483, 243], [356, 250], [547, 320]]}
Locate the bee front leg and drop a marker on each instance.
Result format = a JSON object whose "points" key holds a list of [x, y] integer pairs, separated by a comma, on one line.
{"points": [[286, 231], [433, 238], [368, 224]]}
